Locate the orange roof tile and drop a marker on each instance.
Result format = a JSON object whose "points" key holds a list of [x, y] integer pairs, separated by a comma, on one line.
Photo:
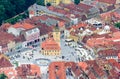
{"points": [[79, 25], [116, 34], [4, 61], [108, 1], [107, 14], [114, 63], [10, 72], [35, 69], [58, 69], [23, 25], [61, 24], [50, 44], [28, 70], [119, 55], [83, 65], [4, 38], [5, 26]]}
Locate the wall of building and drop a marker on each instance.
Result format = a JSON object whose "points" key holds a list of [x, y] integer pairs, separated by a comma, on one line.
{"points": [[56, 36], [51, 52], [75, 38], [56, 2], [11, 45]]}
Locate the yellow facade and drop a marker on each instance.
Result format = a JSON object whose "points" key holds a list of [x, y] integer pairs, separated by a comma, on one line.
{"points": [[51, 52], [11, 44], [56, 2], [66, 1], [75, 38], [56, 36]]}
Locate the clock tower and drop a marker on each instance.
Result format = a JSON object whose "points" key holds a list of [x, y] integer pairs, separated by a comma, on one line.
{"points": [[56, 34]]}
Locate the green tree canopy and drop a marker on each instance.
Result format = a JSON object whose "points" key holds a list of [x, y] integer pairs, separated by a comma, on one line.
{"points": [[10, 8], [48, 4], [2, 13], [76, 2], [3, 76], [117, 25], [40, 2]]}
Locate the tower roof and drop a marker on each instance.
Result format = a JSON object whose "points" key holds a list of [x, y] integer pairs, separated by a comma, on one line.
{"points": [[56, 28]]}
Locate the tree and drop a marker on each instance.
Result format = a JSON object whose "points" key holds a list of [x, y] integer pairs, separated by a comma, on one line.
{"points": [[117, 25], [3, 76], [10, 8], [76, 2], [2, 13], [40, 2], [29, 2], [48, 4]]}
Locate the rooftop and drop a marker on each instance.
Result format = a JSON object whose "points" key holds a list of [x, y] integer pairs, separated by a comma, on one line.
{"points": [[4, 38], [4, 61], [50, 44], [23, 25], [108, 1]]}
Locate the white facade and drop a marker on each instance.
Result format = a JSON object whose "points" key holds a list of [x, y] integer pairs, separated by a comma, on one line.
{"points": [[74, 21], [31, 15], [32, 34], [14, 31], [66, 33]]}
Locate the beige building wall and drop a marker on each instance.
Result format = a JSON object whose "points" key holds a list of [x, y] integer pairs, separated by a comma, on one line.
{"points": [[11, 44], [75, 38], [66, 1], [56, 2], [51, 52], [56, 36], [117, 1]]}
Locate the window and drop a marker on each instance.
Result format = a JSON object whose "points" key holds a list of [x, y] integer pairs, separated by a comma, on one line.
{"points": [[30, 42], [42, 39], [36, 41]]}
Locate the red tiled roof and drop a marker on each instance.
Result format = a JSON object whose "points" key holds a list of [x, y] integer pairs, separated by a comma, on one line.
{"points": [[43, 17], [114, 74], [23, 25], [28, 70], [79, 25], [5, 26], [85, 6], [116, 34], [113, 29], [119, 55], [95, 66], [4, 61], [35, 70], [10, 72], [109, 52], [58, 69], [103, 40], [44, 29], [114, 63], [108, 1], [4, 38], [50, 44], [91, 75], [83, 65], [73, 33]]}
